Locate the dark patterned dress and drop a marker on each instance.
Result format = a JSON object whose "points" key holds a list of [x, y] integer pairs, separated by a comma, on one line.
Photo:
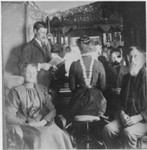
{"points": [[86, 100]]}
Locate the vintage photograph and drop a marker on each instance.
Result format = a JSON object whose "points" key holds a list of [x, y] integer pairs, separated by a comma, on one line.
{"points": [[74, 75]]}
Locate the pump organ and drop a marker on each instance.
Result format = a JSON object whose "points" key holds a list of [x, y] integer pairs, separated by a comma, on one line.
{"points": [[100, 21]]}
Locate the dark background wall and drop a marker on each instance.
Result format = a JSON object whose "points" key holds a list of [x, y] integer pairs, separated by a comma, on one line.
{"points": [[134, 16]]}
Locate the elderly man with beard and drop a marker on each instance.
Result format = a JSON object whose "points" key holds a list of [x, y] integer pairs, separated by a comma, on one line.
{"points": [[37, 51], [131, 121]]}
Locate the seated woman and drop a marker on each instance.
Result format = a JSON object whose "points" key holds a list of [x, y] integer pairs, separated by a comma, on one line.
{"points": [[30, 107], [86, 81]]}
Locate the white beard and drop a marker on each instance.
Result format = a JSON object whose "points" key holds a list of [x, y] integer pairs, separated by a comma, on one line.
{"points": [[135, 69]]}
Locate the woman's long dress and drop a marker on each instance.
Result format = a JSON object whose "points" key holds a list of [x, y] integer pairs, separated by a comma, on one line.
{"points": [[85, 100], [32, 104]]}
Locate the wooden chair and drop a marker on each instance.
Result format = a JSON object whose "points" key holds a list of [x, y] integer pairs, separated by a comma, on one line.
{"points": [[142, 142]]}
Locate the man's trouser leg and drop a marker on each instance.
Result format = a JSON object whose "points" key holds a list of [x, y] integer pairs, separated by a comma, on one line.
{"points": [[132, 133], [110, 134]]}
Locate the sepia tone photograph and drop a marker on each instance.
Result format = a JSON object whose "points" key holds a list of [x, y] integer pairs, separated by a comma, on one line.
{"points": [[74, 75]]}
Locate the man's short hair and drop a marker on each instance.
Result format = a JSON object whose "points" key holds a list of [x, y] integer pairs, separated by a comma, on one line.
{"points": [[39, 25], [113, 50], [137, 48]]}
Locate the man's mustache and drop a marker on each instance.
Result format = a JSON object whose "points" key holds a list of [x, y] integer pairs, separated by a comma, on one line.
{"points": [[43, 38], [132, 65], [116, 63]]}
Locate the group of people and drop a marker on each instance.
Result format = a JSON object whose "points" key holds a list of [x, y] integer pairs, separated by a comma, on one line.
{"points": [[130, 121], [30, 109], [99, 86]]}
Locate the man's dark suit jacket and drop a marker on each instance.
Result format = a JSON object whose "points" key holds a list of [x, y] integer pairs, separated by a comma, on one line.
{"points": [[134, 100], [32, 52]]}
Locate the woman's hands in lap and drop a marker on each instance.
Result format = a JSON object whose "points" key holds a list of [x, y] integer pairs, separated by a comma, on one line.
{"points": [[38, 123]]}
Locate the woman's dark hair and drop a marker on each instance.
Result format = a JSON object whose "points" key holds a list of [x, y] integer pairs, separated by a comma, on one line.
{"points": [[26, 65], [84, 44], [84, 39], [113, 50], [39, 25]]}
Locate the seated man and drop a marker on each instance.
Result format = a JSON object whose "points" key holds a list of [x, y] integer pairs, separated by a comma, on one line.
{"points": [[30, 108], [115, 71], [133, 101]]}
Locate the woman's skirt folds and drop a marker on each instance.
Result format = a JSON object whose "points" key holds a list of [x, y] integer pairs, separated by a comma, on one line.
{"points": [[47, 137], [87, 101]]}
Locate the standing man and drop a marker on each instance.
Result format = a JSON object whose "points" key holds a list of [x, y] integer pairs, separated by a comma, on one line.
{"points": [[37, 51], [131, 121]]}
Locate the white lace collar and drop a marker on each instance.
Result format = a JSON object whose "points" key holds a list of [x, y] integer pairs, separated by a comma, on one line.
{"points": [[87, 79]]}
